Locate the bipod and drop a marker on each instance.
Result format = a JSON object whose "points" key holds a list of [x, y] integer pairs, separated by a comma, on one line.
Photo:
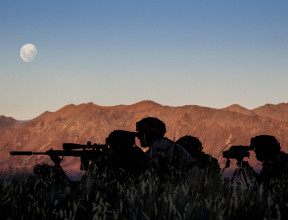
{"points": [[239, 172]]}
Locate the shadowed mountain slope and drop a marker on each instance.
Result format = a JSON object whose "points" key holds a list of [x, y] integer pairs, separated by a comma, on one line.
{"points": [[6, 122]]}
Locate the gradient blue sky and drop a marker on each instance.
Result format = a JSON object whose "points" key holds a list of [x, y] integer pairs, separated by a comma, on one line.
{"points": [[197, 52]]}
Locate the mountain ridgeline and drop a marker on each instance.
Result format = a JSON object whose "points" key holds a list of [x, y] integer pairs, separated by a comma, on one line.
{"points": [[217, 129]]}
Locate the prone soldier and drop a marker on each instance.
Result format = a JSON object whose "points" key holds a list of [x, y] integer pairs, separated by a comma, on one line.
{"points": [[267, 151], [121, 163], [124, 157], [274, 161], [194, 146]]}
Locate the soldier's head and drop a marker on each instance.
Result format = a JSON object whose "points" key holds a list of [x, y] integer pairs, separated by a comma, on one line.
{"points": [[192, 144], [150, 129], [120, 140], [266, 147]]}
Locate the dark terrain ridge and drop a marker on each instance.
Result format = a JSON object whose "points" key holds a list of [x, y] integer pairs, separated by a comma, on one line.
{"points": [[217, 129]]}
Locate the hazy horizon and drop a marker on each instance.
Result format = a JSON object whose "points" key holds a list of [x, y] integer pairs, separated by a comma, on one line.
{"points": [[175, 53]]}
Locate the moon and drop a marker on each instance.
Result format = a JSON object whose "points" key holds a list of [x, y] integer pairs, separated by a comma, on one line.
{"points": [[28, 52]]}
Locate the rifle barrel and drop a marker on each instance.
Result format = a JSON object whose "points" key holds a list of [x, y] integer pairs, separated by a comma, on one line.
{"points": [[21, 153], [17, 153]]}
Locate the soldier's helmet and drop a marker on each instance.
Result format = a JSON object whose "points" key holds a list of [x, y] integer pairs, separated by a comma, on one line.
{"points": [[120, 139], [192, 144], [265, 146], [151, 125], [150, 129]]}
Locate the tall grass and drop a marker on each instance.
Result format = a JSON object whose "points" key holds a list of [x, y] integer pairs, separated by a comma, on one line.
{"points": [[196, 195]]}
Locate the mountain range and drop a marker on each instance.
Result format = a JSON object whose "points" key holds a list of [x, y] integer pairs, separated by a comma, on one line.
{"points": [[217, 129]]}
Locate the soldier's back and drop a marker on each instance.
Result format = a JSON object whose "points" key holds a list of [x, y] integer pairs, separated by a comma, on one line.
{"points": [[208, 162], [164, 152], [276, 169]]}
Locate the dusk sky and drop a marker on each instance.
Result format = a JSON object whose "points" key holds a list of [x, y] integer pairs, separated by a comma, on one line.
{"points": [[110, 52]]}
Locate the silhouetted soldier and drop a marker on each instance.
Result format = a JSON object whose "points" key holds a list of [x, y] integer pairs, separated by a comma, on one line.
{"points": [[194, 148], [124, 158], [122, 163], [274, 161], [163, 153], [275, 170]]}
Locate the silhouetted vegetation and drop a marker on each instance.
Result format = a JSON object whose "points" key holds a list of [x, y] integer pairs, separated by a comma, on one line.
{"points": [[197, 196]]}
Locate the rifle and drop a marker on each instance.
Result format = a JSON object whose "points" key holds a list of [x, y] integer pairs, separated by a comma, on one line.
{"points": [[118, 139], [88, 153]]}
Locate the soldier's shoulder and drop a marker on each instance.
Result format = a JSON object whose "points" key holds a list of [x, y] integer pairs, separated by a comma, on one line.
{"points": [[207, 160], [135, 151], [283, 155], [208, 157], [283, 158], [162, 143], [166, 140]]}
